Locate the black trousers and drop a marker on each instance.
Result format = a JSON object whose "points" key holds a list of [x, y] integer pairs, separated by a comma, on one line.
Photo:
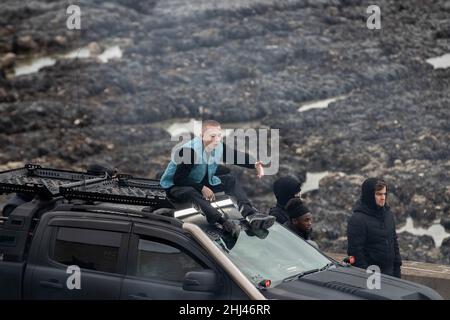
{"points": [[230, 185]]}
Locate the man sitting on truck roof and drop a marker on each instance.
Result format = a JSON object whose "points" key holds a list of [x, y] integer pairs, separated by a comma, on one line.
{"points": [[192, 177]]}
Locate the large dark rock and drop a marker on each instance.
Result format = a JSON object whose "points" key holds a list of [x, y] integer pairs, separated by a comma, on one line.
{"points": [[418, 248], [445, 222], [445, 250]]}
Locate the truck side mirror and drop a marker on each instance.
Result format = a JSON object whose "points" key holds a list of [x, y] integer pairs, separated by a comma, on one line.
{"points": [[203, 281]]}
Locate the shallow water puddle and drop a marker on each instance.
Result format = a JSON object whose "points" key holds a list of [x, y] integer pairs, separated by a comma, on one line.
{"points": [[436, 231], [321, 104], [312, 180], [441, 62], [35, 64]]}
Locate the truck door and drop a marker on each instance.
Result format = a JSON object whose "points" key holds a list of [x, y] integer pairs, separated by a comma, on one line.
{"points": [[158, 261], [95, 247]]}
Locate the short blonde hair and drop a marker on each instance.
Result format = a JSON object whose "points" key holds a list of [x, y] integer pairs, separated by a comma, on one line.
{"points": [[210, 123]]}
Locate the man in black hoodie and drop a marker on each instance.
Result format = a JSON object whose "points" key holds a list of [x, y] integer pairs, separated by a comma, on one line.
{"points": [[284, 188], [371, 234]]}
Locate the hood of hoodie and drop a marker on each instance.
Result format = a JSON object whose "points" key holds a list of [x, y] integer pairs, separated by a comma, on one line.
{"points": [[285, 189], [366, 204]]}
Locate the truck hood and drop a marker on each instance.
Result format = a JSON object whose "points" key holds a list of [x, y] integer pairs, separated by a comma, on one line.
{"points": [[348, 283]]}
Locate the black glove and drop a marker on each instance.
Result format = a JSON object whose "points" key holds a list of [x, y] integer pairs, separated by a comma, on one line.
{"points": [[397, 271], [232, 228]]}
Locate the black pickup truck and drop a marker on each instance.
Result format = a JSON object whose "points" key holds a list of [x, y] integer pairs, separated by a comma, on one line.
{"points": [[76, 245]]}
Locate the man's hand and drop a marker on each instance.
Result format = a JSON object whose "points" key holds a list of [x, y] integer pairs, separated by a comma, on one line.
{"points": [[259, 169], [208, 194]]}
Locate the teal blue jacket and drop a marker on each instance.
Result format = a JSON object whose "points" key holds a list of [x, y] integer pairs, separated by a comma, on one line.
{"points": [[202, 165]]}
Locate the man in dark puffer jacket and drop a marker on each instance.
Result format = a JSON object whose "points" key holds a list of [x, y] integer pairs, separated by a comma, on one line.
{"points": [[371, 234]]}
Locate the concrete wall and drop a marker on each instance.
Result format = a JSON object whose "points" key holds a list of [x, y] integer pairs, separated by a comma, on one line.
{"points": [[431, 275]]}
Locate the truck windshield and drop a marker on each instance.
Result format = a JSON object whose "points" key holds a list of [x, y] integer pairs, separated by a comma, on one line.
{"points": [[278, 256]]}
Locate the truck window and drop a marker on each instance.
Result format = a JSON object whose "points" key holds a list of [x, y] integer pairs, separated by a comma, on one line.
{"points": [[88, 249], [163, 261]]}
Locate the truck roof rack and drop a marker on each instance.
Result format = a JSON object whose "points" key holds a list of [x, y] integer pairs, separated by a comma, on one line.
{"points": [[49, 183], [121, 189], [34, 179]]}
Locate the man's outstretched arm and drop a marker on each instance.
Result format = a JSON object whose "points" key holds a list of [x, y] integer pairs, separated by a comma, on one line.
{"points": [[239, 158], [242, 159]]}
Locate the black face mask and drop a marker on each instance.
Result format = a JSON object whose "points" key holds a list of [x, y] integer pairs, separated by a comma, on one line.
{"points": [[368, 193]]}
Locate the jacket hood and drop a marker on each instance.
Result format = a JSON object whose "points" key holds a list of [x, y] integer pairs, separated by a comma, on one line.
{"points": [[285, 189], [368, 193], [367, 202]]}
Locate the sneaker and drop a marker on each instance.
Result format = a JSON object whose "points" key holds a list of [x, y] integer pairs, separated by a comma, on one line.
{"points": [[247, 209], [260, 221], [229, 241], [232, 228], [260, 233]]}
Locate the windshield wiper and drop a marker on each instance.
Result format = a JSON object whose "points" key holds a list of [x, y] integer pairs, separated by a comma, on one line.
{"points": [[299, 275], [327, 266]]}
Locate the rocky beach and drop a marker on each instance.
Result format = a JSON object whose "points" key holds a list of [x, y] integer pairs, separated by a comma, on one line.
{"points": [[108, 92]]}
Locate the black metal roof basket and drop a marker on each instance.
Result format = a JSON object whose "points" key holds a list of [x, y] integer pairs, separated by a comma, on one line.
{"points": [[34, 179], [125, 189], [121, 189]]}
